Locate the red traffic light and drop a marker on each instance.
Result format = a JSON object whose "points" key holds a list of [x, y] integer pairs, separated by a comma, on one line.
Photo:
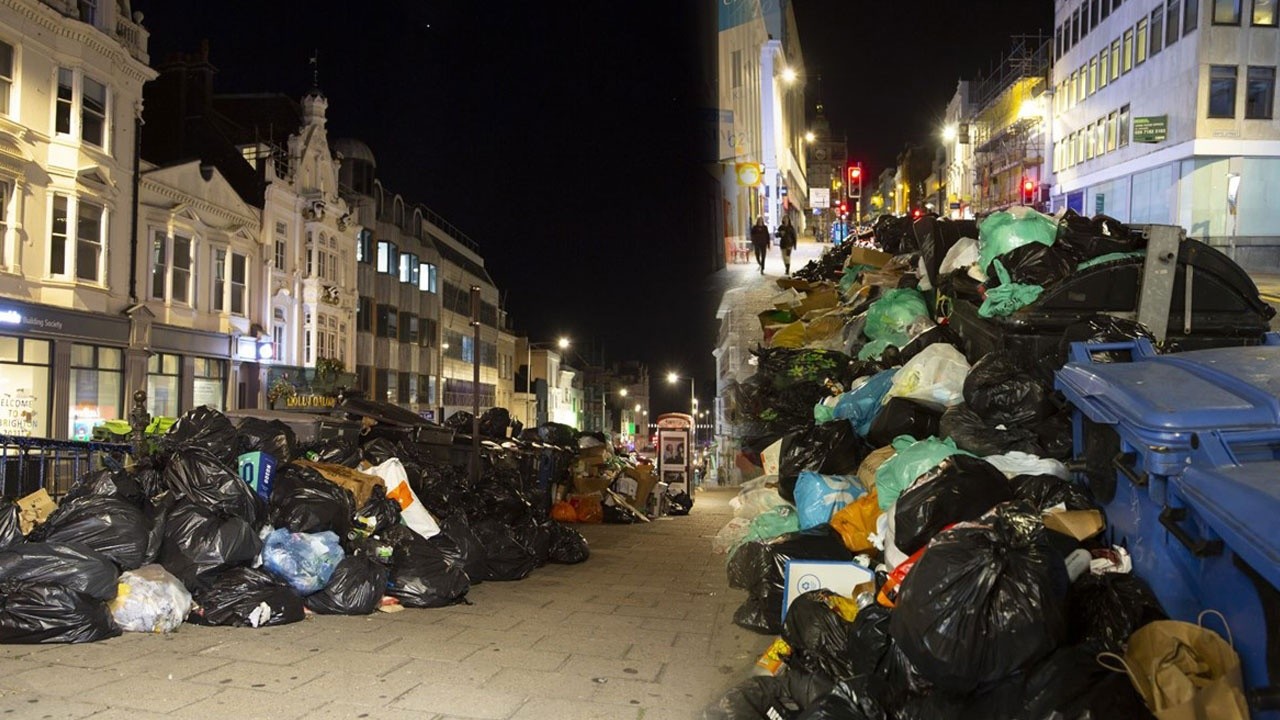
{"points": [[855, 174], [1028, 186], [916, 213]]}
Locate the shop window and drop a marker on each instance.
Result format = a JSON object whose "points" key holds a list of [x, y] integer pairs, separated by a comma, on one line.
{"points": [[210, 383], [1227, 12], [164, 382], [25, 390], [97, 386], [1264, 13], [80, 107], [1260, 93], [1222, 91], [6, 76]]}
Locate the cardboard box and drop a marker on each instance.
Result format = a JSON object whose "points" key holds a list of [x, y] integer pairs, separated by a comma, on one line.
{"points": [[1079, 524], [826, 298], [839, 577], [360, 484], [587, 484], [34, 509], [867, 256], [645, 479]]}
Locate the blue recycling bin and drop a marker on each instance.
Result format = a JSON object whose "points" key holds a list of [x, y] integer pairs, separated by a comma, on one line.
{"points": [[1183, 453]]}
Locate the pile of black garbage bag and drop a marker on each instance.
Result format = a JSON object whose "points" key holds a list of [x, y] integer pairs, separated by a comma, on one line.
{"points": [[194, 541]]}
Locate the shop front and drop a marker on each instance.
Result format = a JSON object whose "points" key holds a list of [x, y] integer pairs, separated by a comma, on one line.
{"points": [[187, 369]]}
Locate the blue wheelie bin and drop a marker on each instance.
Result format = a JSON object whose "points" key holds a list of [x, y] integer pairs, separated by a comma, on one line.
{"points": [[1182, 451]]}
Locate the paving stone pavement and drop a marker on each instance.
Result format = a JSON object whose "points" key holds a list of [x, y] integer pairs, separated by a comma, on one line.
{"points": [[641, 631]]}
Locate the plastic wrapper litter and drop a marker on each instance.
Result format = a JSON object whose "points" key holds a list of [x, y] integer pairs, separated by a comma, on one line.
{"points": [[247, 597], [39, 612], [986, 600], [304, 560], [70, 564], [356, 587], [960, 488], [150, 600]]}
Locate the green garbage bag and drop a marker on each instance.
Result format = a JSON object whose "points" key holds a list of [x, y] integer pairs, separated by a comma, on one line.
{"points": [[914, 459], [892, 314], [1109, 257], [850, 277], [1011, 229], [823, 414], [777, 520], [1009, 297], [874, 349]]}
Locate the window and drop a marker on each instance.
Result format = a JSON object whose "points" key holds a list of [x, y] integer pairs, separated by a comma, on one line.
{"points": [[1093, 75], [88, 11], [74, 89], [1157, 30], [1091, 147], [1227, 12], [409, 328], [1140, 53], [219, 280], [1116, 60], [88, 254], [210, 383], [408, 267], [1093, 15], [163, 383], [1111, 131], [277, 339], [307, 348], [364, 247], [1222, 91], [1190, 16], [1264, 13], [737, 68], [1122, 127], [6, 76], [171, 268], [1106, 9], [282, 246], [66, 97], [238, 272], [97, 382], [1260, 93], [1128, 50], [1171, 18], [364, 314], [387, 260], [93, 113], [1075, 27], [1104, 67]]}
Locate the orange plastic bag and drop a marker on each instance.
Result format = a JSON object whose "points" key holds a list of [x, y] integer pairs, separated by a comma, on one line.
{"points": [[564, 512], [856, 521], [588, 508]]}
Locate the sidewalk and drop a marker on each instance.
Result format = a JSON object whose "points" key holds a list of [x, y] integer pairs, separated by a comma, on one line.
{"points": [[643, 629]]}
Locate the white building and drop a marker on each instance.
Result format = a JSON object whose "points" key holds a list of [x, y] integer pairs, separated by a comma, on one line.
{"points": [[71, 76], [1164, 112], [957, 171]]}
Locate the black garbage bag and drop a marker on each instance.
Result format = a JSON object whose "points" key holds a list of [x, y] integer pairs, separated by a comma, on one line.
{"points": [[443, 490], [425, 572], [460, 421], [869, 641], [1035, 264], [1103, 329], [1003, 394], [848, 700], [42, 612], [819, 637], [765, 571], [932, 336], [305, 502], [557, 434], [535, 536], [380, 450], [973, 434], [959, 488], [10, 525], [70, 564], [501, 500], [986, 600], [495, 422], [753, 699], [832, 448], [1086, 239], [475, 558], [617, 515], [200, 543], [1104, 610], [198, 477], [898, 684], [902, 416], [207, 430], [508, 558], [272, 437], [333, 451], [246, 597], [680, 503], [109, 483], [1046, 491], [1054, 435], [568, 547], [753, 615], [355, 588], [106, 525], [378, 513]]}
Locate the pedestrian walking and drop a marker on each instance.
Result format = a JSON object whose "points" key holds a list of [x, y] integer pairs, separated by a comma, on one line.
{"points": [[786, 242], [760, 241]]}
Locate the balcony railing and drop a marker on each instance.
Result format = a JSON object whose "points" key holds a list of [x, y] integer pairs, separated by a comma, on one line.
{"points": [[134, 38]]}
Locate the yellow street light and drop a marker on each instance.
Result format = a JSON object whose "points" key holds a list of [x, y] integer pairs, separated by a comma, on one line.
{"points": [[789, 75], [810, 137], [949, 133]]}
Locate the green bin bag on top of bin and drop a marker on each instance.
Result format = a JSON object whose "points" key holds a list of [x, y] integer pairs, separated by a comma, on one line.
{"points": [[914, 458], [1010, 229], [889, 317], [1009, 297]]}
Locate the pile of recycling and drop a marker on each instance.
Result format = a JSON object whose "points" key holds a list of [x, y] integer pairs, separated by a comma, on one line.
{"points": [[973, 581], [239, 525]]}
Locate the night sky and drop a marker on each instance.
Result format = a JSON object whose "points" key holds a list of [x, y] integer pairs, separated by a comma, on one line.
{"points": [[565, 138]]}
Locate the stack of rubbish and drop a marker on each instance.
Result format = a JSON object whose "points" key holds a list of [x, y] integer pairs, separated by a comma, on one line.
{"points": [[239, 525], [608, 487], [916, 542]]}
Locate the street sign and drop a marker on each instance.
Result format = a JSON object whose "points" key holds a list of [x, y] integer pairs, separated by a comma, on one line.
{"points": [[819, 198], [1152, 129]]}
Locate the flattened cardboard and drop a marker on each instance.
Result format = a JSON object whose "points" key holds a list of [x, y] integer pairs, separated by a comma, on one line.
{"points": [[1079, 524]]}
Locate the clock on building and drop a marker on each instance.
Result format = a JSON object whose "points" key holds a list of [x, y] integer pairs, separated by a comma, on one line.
{"points": [[820, 153]]}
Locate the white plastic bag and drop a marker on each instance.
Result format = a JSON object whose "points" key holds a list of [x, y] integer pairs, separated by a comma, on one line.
{"points": [[731, 534], [935, 377], [150, 599], [961, 255], [415, 515], [748, 505], [1015, 463]]}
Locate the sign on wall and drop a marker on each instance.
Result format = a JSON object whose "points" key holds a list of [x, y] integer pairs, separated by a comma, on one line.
{"points": [[1151, 129], [820, 197]]}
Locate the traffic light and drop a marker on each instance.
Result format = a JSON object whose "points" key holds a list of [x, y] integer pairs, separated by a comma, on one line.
{"points": [[854, 175], [1028, 191]]}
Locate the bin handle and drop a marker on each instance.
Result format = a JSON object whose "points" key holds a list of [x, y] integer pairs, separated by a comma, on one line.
{"points": [[1082, 352], [1120, 462], [1170, 517]]}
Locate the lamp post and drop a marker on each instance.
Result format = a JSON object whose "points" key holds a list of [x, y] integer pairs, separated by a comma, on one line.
{"points": [[563, 344]]}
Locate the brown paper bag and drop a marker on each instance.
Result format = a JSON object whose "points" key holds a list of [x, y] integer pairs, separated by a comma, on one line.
{"points": [[1183, 671]]}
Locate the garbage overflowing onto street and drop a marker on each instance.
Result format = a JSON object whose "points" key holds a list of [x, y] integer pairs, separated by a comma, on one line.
{"points": [[244, 525], [920, 539]]}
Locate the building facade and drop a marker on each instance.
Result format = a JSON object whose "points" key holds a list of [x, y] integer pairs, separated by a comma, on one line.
{"points": [[71, 77], [828, 158], [1164, 112], [1010, 127]]}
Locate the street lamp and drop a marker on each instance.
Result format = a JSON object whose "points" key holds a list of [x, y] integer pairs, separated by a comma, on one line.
{"points": [[789, 75], [672, 379], [561, 343], [810, 137], [949, 133]]}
